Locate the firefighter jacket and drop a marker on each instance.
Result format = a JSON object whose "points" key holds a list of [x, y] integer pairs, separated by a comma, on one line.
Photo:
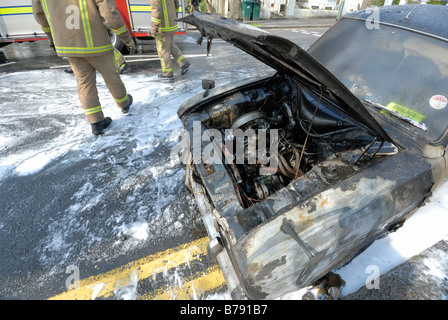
{"points": [[77, 26], [163, 15]]}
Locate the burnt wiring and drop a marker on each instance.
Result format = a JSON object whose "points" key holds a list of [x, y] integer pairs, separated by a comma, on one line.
{"points": [[366, 150], [378, 150], [249, 200], [307, 135]]}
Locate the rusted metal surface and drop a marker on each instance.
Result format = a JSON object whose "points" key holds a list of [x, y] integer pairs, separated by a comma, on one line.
{"points": [[334, 224]]}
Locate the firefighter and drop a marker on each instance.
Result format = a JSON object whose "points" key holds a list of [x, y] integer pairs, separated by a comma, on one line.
{"points": [[163, 26], [76, 28], [120, 63]]}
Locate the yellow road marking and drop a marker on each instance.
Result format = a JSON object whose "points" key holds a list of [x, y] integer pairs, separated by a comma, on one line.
{"points": [[190, 290], [144, 268]]}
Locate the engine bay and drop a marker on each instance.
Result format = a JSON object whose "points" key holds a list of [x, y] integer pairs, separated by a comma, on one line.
{"points": [[310, 134]]}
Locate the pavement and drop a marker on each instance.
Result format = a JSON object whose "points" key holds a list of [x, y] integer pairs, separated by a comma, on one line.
{"points": [[283, 23], [415, 279]]}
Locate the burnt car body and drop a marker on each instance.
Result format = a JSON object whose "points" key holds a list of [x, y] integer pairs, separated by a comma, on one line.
{"points": [[361, 131]]}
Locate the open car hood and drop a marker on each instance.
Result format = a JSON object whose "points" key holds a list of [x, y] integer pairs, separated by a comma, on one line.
{"points": [[287, 58]]}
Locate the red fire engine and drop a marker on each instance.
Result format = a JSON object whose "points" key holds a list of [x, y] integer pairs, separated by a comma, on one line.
{"points": [[17, 23]]}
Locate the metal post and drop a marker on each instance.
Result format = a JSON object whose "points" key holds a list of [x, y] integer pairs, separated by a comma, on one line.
{"points": [[341, 7]]}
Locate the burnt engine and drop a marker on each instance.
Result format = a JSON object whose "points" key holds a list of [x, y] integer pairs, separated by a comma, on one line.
{"points": [[277, 132]]}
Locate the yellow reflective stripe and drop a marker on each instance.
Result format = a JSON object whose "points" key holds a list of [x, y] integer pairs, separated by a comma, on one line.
{"points": [[159, 45], [173, 28], [165, 13], [156, 20], [84, 50], [15, 10], [46, 30], [147, 8], [121, 100], [116, 57], [162, 62], [120, 30], [86, 22], [92, 110], [180, 58], [141, 8], [47, 13]]}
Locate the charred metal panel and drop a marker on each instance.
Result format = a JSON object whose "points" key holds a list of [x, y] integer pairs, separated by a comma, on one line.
{"points": [[336, 223]]}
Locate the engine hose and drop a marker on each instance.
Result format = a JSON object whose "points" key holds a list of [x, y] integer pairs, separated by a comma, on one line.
{"points": [[284, 171], [296, 165], [286, 165]]}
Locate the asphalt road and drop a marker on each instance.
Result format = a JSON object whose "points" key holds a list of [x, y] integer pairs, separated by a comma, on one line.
{"points": [[109, 212]]}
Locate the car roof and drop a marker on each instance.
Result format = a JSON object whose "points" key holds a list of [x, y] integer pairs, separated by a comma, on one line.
{"points": [[430, 19]]}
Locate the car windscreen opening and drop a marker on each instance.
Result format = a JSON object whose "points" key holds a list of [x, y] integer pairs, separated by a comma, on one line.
{"points": [[402, 70]]}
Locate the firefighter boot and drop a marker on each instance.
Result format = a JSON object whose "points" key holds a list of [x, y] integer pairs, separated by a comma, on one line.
{"points": [[185, 67], [125, 67], [163, 78], [126, 109], [68, 70], [99, 127]]}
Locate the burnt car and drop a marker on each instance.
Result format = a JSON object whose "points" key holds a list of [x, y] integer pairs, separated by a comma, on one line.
{"points": [[355, 133]]}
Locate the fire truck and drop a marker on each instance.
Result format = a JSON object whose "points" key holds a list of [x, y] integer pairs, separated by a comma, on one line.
{"points": [[17, 23]]}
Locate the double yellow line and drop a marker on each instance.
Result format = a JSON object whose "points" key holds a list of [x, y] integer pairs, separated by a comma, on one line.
{"points": [[150, 266]]}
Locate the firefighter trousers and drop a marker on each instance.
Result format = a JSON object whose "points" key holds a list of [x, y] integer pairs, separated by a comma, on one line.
{"points": [[84, 69], [167, 48]]}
